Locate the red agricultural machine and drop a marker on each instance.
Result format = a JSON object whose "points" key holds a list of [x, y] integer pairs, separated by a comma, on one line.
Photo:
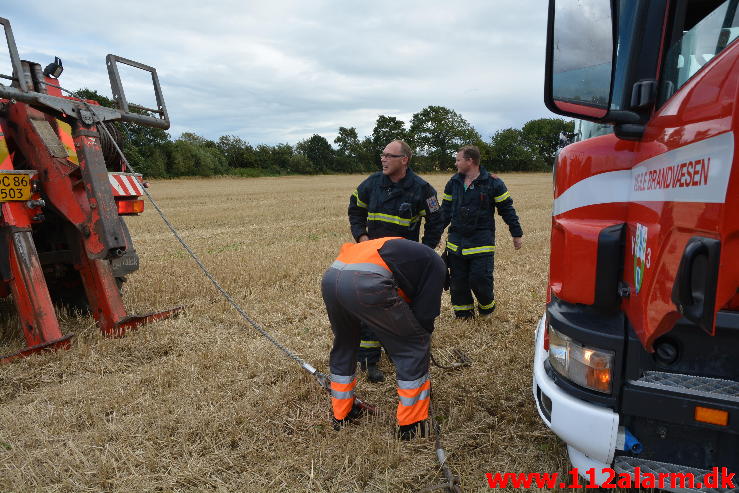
{"points": [[63, 240]]}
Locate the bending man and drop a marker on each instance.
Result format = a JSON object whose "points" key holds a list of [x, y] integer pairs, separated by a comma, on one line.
{"points": [[395, 286]]}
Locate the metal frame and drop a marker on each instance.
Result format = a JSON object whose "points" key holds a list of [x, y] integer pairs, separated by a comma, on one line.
{"points": [[119, 94], [15, 59], [87, 113]]}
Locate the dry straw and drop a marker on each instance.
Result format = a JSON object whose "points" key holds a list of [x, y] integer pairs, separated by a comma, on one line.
{"points": [[203, 403]]}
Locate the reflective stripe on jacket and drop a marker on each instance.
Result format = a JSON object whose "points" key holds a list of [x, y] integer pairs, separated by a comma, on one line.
{"points": [[471, 213], [365, 257], [381, 208]]}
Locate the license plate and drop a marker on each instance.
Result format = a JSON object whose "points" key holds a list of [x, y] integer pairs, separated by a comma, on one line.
{"points": [[14, 186]]}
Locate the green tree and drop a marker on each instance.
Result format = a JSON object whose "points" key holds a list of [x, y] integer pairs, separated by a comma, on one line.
{"points": [[156, 164], [366, 156], [237, 152], [281, 155], [179, 159], [300, 164], [387, 129], [510, 151], [542, 136], [319, 152], [437, 132], [349, 150], [347, 141], [263, 156]]}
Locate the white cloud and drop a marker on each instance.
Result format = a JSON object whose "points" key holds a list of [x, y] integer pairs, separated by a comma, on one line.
{"points": [[280, 71]]}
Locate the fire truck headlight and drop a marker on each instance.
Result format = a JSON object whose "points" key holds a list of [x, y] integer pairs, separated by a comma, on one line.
{"points": [[586, 366]]}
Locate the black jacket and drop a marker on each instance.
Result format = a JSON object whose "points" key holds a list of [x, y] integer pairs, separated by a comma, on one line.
{"points": [[380, 208], [471, 211], [419, 272]]}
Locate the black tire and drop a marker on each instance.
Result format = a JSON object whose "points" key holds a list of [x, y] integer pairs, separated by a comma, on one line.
{"points": [[69, 292]]}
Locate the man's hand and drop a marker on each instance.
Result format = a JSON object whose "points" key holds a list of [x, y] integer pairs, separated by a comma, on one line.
{"points": [[517, 242], [362, 238]]}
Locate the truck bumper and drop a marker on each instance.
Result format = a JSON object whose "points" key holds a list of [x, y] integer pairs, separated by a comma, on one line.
{"points": [[589, 431]]}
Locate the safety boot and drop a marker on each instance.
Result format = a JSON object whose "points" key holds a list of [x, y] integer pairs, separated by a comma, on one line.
{"points": [[488, 314], [409, 432], [353, 416], [374, 374]]}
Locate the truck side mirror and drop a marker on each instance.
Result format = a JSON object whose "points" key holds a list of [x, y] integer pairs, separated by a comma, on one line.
{"points": [[580, 58]]}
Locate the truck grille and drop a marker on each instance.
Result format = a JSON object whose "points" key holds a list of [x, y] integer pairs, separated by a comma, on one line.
{"points": [[698, 386]]}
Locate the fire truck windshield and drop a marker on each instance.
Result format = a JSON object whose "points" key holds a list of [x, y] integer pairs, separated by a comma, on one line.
{"points": [[585, 129], [697, 42]]}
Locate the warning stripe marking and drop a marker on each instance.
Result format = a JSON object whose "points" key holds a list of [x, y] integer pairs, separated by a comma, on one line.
{"points": [[125, 185]]}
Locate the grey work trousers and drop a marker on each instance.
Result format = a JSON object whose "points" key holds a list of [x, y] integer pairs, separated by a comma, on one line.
{"points": [[356, 296]]}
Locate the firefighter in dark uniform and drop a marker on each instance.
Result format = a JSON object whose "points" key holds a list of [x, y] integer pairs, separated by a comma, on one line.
{"points": [[392, 203], [395, 285], [470, 200]]}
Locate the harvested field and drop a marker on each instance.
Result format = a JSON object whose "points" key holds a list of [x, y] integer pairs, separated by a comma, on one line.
{"points": [[203, 403]]}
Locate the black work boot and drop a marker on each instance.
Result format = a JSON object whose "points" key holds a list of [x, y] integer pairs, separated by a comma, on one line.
{"points": [[353, 416], [409, 432], [374, 374]]}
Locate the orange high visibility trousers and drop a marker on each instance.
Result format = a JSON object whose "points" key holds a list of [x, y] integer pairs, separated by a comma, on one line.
{"points": [[359, 287]]}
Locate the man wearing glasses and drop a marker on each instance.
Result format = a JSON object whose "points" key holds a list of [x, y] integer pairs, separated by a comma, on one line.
{"points": [[392, 202]]}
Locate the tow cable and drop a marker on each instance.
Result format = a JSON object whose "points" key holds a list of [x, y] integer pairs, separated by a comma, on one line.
{"points": [[452, 484]]}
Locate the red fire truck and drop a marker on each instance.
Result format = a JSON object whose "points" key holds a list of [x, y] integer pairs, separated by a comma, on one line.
{"points": [[637, 356]]}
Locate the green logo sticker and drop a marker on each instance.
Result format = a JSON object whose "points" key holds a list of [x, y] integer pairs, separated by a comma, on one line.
{"points": [[639, 251]]}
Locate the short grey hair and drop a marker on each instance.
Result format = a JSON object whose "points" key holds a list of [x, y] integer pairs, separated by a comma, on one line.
{"points": [[405, 148]]}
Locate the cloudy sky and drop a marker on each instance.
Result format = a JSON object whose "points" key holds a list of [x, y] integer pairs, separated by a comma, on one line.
{"points": [[273, 71]]}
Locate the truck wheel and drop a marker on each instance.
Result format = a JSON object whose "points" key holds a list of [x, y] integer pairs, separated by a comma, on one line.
{"points": [[69, 292]]}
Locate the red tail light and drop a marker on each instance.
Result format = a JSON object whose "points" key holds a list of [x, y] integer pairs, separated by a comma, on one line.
{"points": [[130, 206]]}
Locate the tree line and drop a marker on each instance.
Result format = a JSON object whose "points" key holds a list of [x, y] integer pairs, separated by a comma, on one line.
{"points": [[435, 133]]}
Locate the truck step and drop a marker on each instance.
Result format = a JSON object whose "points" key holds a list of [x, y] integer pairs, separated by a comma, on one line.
{"points": [[624, 464], [715, 388]]}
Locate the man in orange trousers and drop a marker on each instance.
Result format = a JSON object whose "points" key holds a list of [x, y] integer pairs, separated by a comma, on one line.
{"points": [[395, 286]]}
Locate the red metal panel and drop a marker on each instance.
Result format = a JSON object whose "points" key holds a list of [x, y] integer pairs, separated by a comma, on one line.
{"points": [[30, 293], [700, 110]]}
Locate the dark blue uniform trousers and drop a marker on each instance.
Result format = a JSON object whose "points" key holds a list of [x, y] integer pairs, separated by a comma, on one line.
{"points": [[468, 275]]}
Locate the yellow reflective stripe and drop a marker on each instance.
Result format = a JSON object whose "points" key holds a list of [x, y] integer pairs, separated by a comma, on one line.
{"points": [[446, 197], [4, 152], [486, 307], [461, 308], [481, 249], [502, 197], [369, 344], [422, 213], [65, 135], [387, 218], [451, 246], [359, 202]]}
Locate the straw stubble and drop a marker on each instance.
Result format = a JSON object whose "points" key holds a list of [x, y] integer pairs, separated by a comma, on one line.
{"points": [[203, 403]]}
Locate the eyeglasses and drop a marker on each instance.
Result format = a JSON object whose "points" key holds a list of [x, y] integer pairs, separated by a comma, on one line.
{"points": [[386, 155]]}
